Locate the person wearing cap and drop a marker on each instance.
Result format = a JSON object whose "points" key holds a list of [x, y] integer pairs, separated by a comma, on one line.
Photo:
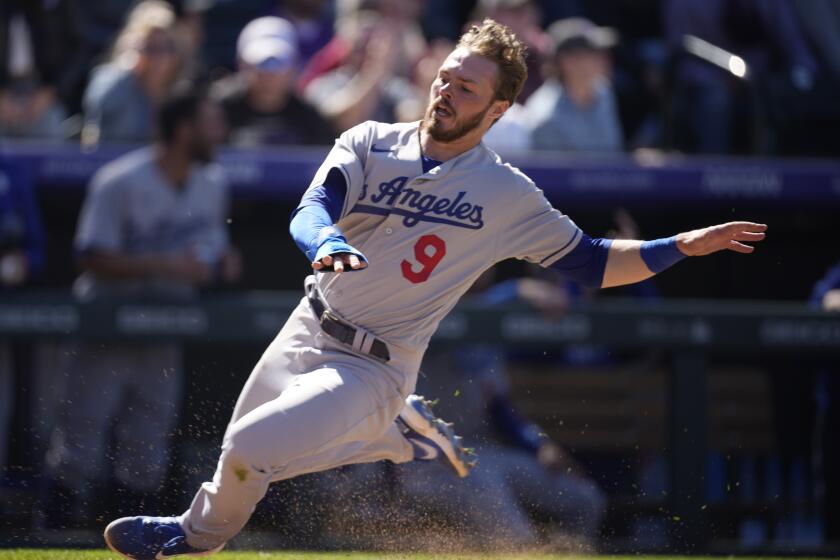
{"points": [[575, 109], [369, 74], [259, 99]]}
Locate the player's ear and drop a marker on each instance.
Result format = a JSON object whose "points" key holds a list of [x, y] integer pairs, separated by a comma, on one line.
{"points": [[498, 109]]}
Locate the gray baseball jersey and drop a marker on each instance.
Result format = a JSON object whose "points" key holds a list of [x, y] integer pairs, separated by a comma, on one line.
{"points": [[428, 236], [130, 208], [311, 403]]}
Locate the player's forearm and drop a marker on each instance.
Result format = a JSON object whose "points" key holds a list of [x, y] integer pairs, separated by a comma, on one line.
{"points": [[625, 264], [629, 262], [633, 261]]}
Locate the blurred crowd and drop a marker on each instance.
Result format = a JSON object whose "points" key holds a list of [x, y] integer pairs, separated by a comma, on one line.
{"points": [[719, 77]]}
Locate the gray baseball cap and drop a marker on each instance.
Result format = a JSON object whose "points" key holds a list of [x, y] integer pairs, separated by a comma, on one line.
{"points": [[580, 33]]}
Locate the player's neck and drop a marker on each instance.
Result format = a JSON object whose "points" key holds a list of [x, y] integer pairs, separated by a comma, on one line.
{"points": [[444, 151], [174, 165]]}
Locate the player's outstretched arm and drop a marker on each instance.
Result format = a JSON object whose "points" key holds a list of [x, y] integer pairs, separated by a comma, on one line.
{"points": [[629, 261]]}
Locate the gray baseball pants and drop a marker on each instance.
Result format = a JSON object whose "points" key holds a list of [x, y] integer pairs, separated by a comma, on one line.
{"points": [[310, 404]]}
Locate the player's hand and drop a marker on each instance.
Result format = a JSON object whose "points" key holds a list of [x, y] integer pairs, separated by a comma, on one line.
{"points": [[732, 236], [339, 262]]}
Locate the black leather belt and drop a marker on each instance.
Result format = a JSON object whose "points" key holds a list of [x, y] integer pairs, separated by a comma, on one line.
{"points": [[346, 333]]}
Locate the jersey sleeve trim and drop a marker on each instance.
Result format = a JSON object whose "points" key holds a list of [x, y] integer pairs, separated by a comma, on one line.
{"points": [[557, 255], [330, 195], [585, 263], [345, 207]]}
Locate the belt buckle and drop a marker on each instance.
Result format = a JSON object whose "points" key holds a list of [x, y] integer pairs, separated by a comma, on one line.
{"points": [[350, 331], [329, 321], [327, 315]]}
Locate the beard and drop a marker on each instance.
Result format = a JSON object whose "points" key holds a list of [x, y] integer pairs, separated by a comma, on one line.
{"points": [[459, 128]]}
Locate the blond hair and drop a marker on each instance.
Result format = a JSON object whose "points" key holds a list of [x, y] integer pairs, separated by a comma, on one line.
{"points": [[145, 18], [495, 41]]}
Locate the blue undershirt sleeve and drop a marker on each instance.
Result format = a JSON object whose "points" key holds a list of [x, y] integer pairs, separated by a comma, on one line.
{"points": [[312, 226], [586, 262], [329, 196]]}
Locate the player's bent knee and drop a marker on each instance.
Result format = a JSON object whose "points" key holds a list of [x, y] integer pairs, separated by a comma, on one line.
{"points": [[243, 463], [250, 449]]}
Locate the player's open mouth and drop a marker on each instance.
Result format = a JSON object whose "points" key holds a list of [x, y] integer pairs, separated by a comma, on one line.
{"points": [[442, 112]]}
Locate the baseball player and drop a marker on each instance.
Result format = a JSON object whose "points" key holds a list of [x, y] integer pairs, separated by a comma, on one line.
{"points": [[153, 224], [398, 222]]}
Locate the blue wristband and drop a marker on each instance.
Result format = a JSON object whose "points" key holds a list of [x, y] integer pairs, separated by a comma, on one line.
{"points": [[332, 246], [660, 254]]}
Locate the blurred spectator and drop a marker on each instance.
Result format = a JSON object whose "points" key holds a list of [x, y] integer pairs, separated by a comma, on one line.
{"points": [[123, 95], [445, 19], [191, 32], [710, 102], [223, 20], [30, 70], [820, 21], [94, 25], [259, 100], [152, 225], [575, 108], [21, 258], [511, 133], [552, 10], [524, 19], [347, 38], [806, 399], [370, 63], [313, 23], [826, 295], [402, 15], [807, 120]]}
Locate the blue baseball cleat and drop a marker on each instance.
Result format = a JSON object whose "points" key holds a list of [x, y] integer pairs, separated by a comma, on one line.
{"points": [[150, 538], [432, 438]]}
